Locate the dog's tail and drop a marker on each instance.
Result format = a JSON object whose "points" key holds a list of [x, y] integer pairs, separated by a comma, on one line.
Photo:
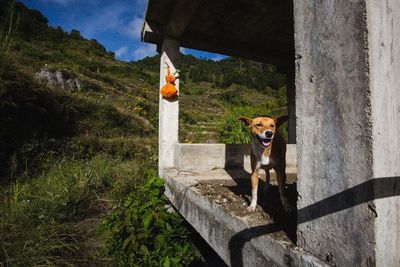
{"points": [[281, 120]]}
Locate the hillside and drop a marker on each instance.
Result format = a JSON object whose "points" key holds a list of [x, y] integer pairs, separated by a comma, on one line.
{"points": [[68, 158]]}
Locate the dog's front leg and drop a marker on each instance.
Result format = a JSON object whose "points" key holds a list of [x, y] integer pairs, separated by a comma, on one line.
{"points": [[254, 188]]}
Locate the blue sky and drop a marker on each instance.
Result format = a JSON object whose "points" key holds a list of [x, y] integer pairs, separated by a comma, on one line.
{"points": [[115, 24]]}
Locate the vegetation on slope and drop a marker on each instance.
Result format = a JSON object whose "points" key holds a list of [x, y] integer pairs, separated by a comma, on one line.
{"points": [[68, 159]]}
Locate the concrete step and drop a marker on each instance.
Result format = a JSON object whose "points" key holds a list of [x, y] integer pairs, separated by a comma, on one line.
{"points": [[214, 203]]}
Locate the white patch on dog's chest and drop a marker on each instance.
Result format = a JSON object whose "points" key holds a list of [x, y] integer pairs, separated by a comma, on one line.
{"points": [[264, 160]]}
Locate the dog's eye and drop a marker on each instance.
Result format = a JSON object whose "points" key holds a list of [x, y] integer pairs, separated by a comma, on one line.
{"points": [[259, 124], [272, 126]]}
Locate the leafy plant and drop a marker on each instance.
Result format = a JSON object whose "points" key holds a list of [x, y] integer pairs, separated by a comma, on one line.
{"points": [[142, 232], [232, 131]]}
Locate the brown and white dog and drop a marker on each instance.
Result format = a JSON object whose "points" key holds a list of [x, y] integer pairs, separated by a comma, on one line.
{"points": [[268, 151]]}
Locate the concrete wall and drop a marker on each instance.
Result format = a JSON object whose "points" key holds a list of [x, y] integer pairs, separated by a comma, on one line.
{"points": [[384, 57], [334, 131], [206, 157]]}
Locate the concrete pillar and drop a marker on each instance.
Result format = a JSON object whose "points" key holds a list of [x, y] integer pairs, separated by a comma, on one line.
{"points": [[384, 60], [348, 110], [168, 110], [291, 104]]}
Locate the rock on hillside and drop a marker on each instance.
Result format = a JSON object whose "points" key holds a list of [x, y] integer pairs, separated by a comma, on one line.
{"points": [[58, 79]]}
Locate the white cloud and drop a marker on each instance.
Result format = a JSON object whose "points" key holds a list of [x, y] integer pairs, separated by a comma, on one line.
{"points": [[122, 51], [184, 51], [108, 18], [115, 17], [144, 50], [134, 28], [218, 58]]}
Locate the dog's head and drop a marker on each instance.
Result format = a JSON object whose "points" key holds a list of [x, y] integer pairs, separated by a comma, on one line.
{"points": [[263, 128]]}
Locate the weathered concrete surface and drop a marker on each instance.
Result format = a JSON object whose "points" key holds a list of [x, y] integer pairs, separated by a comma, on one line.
{"points": [[334, 131], [206, 157], [168, 118], [384, 60], [239, 240]]}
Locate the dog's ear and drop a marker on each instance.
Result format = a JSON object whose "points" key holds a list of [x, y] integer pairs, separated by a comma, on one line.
{"points": [[279, 121], [246, 120]]}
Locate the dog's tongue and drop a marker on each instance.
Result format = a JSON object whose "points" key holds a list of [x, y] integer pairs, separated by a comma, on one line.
{"points": [[266, 143]]}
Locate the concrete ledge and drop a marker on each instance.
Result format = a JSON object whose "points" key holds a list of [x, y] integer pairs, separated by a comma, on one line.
{"points": [[206, 157], [239, 240]]}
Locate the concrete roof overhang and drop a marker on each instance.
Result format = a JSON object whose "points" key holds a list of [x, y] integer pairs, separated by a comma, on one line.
{"points": [[259, 30]]}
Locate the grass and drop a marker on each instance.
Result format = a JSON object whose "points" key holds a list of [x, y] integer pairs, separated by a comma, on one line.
{"points": [[37, 215], [66, 159]]}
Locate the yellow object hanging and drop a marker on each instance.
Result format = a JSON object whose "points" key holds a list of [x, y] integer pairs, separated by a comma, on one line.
{"points": [[169, 90]]}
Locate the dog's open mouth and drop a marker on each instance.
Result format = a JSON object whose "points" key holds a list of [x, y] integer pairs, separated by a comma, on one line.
{"points": [[265, 142]]}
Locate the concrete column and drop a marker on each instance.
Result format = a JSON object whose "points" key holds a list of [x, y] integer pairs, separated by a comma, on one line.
{"points": [[384, 60], [348, 128], [291, 104], [168, 110]]}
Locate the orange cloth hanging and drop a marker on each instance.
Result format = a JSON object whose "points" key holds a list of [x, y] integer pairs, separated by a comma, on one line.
{"points": [[169, 91]]}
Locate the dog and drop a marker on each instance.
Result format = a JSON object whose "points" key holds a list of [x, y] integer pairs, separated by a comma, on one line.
{"points": [[268, 151]]}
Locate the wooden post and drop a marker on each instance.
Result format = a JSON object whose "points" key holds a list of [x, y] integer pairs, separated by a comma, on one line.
{"points": [[168, 116]]}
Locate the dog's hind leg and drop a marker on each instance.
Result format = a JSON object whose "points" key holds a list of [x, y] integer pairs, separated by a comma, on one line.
{"points": [[281, 177], [267, 181]]}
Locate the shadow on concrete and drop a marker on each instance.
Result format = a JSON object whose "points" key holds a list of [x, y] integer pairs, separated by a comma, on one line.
{"points": [[375, 188], [269, 201], [370, 190]]}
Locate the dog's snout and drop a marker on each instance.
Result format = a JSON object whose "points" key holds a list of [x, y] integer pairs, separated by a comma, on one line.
{"points": [[269, 134]]}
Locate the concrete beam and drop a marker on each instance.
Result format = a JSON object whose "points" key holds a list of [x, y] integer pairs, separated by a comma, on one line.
{"points": [[215, 44], [168, 110], [151, 34], [183, 12]]}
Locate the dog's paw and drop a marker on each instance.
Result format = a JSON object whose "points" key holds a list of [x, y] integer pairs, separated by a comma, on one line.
{"points": [[251, 208]]}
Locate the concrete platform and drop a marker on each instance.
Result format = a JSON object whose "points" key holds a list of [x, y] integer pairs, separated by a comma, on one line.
{"points": [[214, 202]]}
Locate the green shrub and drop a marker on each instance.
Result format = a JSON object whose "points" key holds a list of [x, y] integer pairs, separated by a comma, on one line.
{"points": [[142, 232], [232, 96], [233, 131]]}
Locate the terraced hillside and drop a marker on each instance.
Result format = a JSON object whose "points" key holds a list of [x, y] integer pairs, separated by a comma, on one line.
{"points": [[71, 158]]}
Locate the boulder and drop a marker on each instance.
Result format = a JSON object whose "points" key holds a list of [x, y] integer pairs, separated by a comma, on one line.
{"points": [[58, 79]]}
